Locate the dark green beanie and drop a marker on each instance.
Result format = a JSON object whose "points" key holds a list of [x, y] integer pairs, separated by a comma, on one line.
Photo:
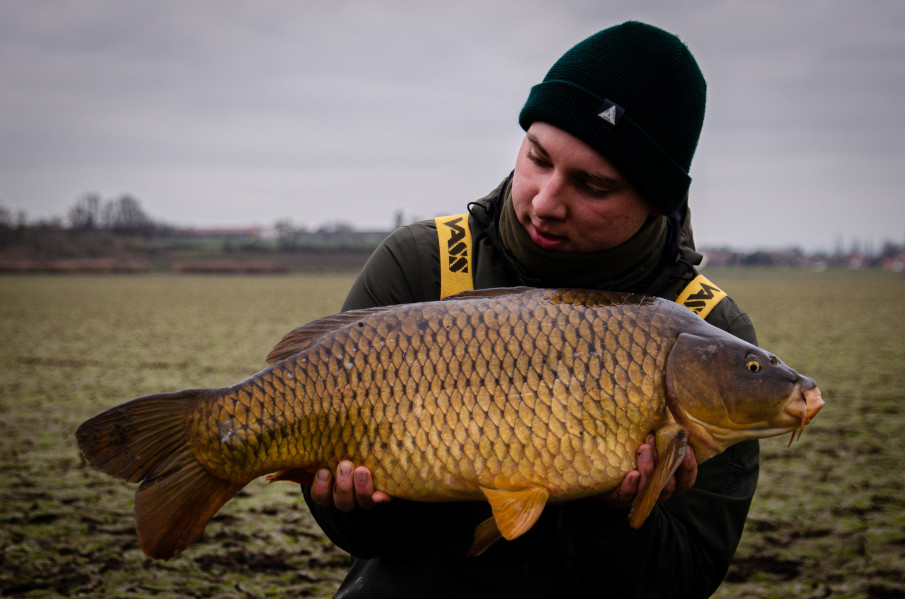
{"points": [[635, 94]]}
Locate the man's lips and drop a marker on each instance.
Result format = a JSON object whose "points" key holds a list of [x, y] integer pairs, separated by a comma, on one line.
{"points": [[546, 240]]}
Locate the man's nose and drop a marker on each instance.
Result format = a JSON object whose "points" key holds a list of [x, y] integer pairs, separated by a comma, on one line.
{"points": [[550, 201]]}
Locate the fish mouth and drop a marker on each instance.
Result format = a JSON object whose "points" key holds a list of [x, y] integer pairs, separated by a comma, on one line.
{"points": [[805, 406]]}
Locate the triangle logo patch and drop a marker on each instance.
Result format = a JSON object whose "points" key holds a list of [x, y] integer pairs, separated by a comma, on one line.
{"points": [[609, 115], [610, 112]]}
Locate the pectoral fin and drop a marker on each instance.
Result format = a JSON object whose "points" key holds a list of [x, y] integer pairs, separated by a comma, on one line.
{"points": [[671, 442], [296, 475], [516, 511]]}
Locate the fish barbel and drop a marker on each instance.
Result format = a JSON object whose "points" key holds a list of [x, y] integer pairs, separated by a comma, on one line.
{"points": [[514, 396]]}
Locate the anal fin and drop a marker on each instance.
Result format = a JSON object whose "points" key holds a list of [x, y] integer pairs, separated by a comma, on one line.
{"points": [[515, 512]]}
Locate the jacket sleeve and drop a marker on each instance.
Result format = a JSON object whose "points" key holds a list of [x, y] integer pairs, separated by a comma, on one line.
{"points": [[401, 270], [685, 546]]}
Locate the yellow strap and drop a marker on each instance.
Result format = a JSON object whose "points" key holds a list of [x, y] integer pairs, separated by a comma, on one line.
{"points": [[455, 254], [701, 296]]}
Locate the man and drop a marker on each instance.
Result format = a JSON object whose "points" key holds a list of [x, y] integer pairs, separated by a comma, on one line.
{"points": [[597, 199]]}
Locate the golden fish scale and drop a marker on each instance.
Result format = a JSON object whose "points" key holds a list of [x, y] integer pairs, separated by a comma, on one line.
{"points": [[439, 398]]}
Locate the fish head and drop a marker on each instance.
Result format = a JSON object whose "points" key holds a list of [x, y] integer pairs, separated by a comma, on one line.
{"points": [[724, 390]]}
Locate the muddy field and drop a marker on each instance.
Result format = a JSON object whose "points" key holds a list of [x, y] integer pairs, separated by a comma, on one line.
{"points": [[828, 519]]}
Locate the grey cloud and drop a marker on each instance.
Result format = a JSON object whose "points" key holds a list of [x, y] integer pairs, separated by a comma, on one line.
{"points": [[356, 107]]}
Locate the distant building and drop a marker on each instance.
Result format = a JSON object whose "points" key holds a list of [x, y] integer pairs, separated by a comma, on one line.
{"points": [[244, 233]]}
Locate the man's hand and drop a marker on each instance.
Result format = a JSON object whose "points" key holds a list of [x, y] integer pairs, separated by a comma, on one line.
{"points": [[636, 480], [352, 488]]}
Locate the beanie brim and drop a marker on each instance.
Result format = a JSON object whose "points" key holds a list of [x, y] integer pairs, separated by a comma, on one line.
{"points": [[624, 143]]}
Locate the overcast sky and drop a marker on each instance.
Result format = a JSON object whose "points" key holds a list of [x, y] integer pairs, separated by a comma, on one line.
{"points": [[226, 113]]}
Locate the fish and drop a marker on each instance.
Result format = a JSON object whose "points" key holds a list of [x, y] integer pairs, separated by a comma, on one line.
{"points": [[513, 396]]}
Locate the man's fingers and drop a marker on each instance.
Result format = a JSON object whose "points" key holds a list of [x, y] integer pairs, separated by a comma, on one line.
{"points": [[352, 487], [687, 472], [343, 488], [623, 495], [668, 489], [646, 460], [364, 487], [322, 488], [380, 497], [637, 480]]}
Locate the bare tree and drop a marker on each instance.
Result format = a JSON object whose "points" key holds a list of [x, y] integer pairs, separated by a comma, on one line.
{"points": [[126, 215], [287, 234], [6, 227], [85, 214]]}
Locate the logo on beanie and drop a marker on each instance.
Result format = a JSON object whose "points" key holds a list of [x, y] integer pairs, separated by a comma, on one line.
{"points": [[610, 112]]}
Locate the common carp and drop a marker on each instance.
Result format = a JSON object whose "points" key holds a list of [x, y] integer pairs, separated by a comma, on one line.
{"points": [[514, 396]]}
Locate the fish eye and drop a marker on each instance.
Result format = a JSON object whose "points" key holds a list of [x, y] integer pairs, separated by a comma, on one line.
{"points": [[752, 365]]}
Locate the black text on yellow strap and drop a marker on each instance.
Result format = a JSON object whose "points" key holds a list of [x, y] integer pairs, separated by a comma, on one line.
{"points": [[454, 236], [456, 246], [701, 296], [697, 301]]}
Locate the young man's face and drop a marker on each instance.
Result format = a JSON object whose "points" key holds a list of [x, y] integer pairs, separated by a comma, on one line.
{"points": [[570, 198]]}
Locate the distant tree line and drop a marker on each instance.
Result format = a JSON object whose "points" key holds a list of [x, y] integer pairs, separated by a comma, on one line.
{"points": [[95, 225], [124, 215], [92, 224], [88, 227]]}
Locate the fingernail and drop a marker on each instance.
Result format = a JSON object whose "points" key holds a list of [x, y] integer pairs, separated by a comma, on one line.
{"points": [[323, 475], [361, 477], [644, 454]]}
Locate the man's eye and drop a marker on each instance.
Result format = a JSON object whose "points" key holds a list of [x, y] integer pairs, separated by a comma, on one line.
{"points": [[595, 191], [537, 160]]}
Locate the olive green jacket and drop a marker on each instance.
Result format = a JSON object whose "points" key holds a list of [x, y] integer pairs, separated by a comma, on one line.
{"points": [[581, 548]]}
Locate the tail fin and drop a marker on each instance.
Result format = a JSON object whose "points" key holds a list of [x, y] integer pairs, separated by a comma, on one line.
{"points": [[146, 440]]}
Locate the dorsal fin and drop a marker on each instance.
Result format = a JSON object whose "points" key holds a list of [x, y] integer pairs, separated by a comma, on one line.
{"points": [[301, 338], [490, 292]]}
